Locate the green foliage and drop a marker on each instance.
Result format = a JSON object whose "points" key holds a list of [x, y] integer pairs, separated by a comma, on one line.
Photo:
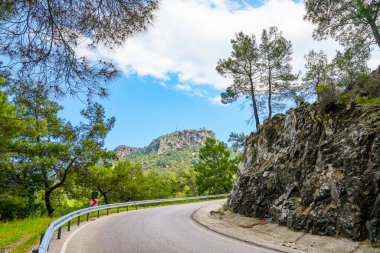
{"points": [[39, 39], [16, 198], [184, 182], [158, 184], [168, 174], [29, 229], [350, 66], [298, 99], [259, 70], [323, 88], [354, 23], [237, 140], [317, 72], [215, 170], [276, 70], [120, 182], [10, 124], [366, 101], [48, 150], [242, 67], [367, 85], [185, 158], [330, 80], [127, 181], [6, 9]]}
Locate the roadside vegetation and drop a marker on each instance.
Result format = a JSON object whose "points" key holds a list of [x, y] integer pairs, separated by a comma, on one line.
{"points": [[21, 235]]}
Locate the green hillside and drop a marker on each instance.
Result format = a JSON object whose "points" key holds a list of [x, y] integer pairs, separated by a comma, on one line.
{"points": [[179, 159]]}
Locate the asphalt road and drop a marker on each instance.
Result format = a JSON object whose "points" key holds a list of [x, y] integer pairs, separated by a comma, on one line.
{"points": [[165, 229]]}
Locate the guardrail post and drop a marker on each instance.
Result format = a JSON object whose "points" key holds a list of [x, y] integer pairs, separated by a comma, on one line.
{"points": [[59, 233], [107, 211], [98, 214], [144, 206], [136, 207], [78, 223], [117, 210], [69, 225], [88, 216], [127, 208], [42, 237]]}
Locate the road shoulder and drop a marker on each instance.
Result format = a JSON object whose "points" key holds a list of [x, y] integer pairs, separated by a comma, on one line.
{"points": [[271, 235]]}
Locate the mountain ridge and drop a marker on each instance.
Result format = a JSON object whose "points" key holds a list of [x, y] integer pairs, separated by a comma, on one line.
{"points": [[175, 141]]}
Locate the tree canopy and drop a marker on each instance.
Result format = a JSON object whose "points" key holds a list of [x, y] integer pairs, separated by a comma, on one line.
{"points": [[39, 40], [237, 141], [328, 79], [49, 150], [262, 71], [242, 68], [216, 169], [276, 54], [354, 23], [120, 181]]}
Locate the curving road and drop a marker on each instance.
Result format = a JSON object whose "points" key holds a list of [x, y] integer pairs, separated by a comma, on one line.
{"points": [[165, 229]]}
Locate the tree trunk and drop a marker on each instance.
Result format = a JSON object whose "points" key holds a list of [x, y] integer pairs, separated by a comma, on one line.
{"points": [[128, 199], [270, 95], [104, 194], [254, 105], [48, 204]]}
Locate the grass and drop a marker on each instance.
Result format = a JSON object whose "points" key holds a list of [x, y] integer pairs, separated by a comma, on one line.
{"points": [[21, 235], [366, 101]]}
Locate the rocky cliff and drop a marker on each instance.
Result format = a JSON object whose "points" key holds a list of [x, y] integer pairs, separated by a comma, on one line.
{"points": [[178, 140], [122, 151], [312, 171]]}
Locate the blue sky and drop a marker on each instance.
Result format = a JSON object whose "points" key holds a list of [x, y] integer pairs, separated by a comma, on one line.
{"points": [[144, 110], [168, 80]]}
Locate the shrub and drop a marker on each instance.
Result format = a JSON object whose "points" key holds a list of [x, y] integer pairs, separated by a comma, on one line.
{"points": [[367, 101]]}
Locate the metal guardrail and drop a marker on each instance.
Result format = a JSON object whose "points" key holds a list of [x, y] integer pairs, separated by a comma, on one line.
{"points": [[57, 224]]}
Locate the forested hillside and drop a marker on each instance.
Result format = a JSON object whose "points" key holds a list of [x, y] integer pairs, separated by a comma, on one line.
{"points": [[175, 150]]}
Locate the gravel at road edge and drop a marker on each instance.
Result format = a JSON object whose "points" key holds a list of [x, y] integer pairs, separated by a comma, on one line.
{"points": [[274, 236]]}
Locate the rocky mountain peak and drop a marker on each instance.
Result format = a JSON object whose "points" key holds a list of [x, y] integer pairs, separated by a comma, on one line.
{"points": [[177, 140], [123, 150]]}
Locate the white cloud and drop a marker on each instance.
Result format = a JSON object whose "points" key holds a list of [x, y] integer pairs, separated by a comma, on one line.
{"points": [[216, 101], [189, 36], [184, 87], [192, 91]]}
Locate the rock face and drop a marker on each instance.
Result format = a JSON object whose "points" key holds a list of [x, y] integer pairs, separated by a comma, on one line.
{"points": [[314, 172], [179, 140], [123, 150]]}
